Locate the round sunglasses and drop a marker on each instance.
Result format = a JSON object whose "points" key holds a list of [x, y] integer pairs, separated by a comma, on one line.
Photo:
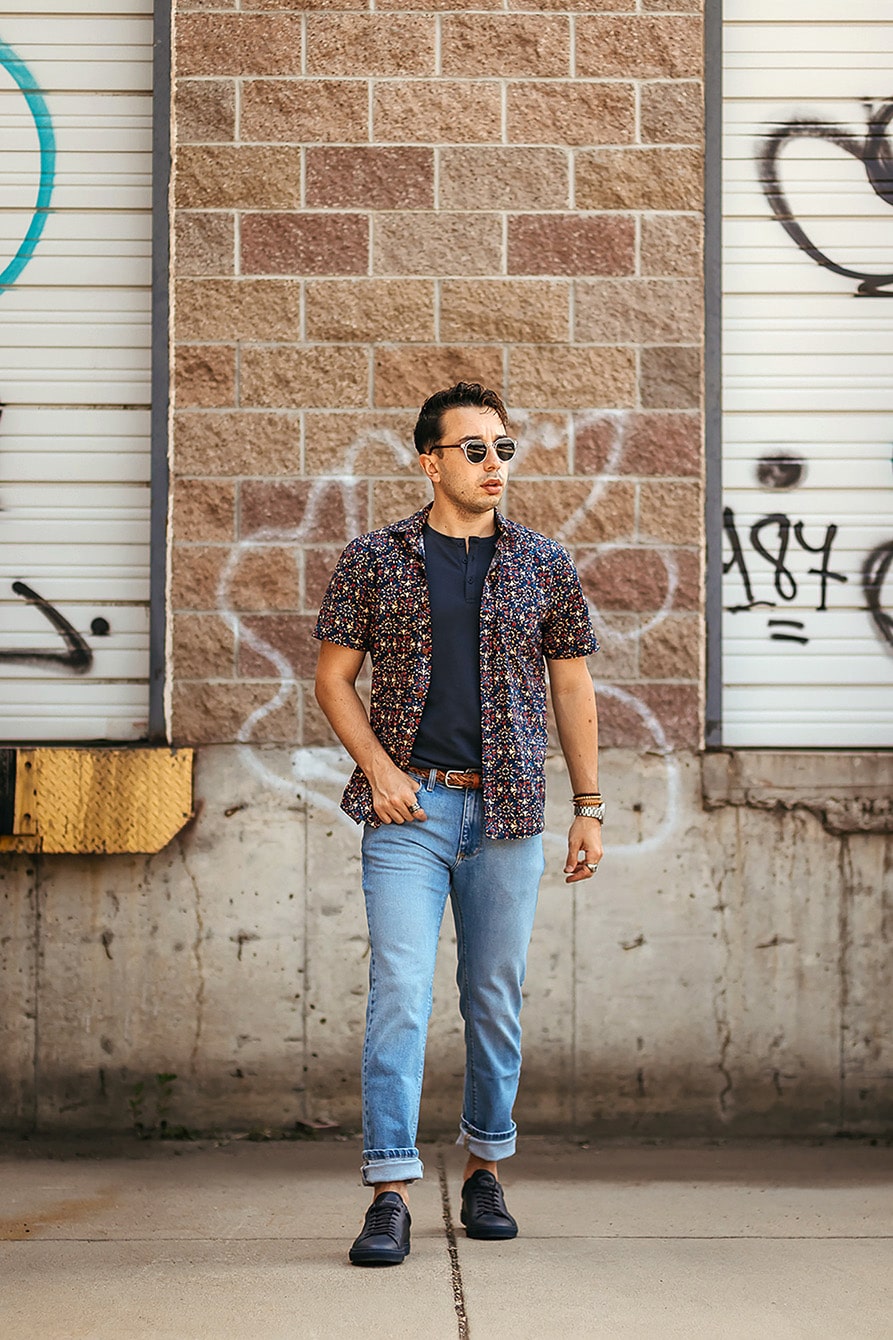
{"points": [[476, 448]]}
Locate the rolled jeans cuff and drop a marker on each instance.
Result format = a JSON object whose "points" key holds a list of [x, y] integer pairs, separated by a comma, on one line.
{"points": [[391, 1165], [487, 1145]]}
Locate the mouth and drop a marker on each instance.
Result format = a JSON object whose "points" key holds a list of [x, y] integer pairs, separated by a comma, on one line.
{"points": [[493, 486]]}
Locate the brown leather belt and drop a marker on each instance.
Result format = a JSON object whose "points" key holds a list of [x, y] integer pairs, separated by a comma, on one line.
{"points": [[459, 781]]}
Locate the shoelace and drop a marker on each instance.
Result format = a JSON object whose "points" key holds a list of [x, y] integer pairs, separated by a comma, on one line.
{"points": [[489, 1198], [383, 1218]]}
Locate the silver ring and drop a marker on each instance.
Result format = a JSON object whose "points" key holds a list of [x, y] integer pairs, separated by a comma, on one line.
{"points": [[591, 866], [414, 809]]}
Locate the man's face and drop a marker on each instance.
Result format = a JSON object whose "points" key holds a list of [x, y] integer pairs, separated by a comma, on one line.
{"points": [[470, 488]]}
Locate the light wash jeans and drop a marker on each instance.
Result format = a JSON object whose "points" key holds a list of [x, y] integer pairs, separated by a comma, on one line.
{"points": [[408, 871]]}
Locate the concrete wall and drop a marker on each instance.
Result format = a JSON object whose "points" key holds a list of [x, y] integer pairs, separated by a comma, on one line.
{"points": [[727, 971]]}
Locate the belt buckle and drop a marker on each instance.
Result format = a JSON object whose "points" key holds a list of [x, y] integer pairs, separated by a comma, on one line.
{"points": [[454, 786]]}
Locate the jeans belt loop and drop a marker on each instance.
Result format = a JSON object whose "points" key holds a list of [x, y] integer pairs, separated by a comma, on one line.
{"points": [[432, 780]]}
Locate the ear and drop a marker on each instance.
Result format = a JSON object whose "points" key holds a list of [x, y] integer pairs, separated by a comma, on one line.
{"points": [[430, 466]]}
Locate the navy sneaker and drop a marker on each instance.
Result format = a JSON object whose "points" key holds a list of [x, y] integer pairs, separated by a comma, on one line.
{"points": [[483, 1208], [384, 1240]]}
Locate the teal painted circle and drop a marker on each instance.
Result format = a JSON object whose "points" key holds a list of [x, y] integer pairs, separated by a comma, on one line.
{"points": [[47, 141]]}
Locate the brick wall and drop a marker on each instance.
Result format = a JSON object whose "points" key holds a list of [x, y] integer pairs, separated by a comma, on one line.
{"points": [[372, 204]]}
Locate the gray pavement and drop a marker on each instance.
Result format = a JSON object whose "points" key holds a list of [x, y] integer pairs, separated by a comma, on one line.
{"points": [[238, 1240]]}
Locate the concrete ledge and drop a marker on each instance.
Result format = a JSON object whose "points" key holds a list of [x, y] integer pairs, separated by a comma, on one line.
{"points": [[848, 793]]}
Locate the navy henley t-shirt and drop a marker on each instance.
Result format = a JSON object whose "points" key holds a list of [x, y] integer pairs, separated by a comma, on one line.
{"points": [[449, 734]]}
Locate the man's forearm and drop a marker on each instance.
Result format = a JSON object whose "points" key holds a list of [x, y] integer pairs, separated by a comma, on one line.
{"points": [[346, 714], [576, 717]]}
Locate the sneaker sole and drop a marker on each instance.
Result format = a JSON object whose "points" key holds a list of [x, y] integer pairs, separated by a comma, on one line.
{"points": [[385, 1258], [491, 1234]]}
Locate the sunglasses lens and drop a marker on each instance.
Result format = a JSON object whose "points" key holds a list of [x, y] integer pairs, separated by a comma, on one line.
{"points": [[505, 448], [475, 450]]}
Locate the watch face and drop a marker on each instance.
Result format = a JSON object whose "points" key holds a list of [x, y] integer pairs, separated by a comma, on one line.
{"points": [[600, 812]]}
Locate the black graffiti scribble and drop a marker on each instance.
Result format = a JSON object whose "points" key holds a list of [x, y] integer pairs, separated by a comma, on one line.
{"points": [[787, 637], [874, 574], [77, 657], [875, 154], [784, 580]]}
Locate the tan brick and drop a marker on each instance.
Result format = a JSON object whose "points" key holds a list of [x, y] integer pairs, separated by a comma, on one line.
{"points": [[630, 578], [370, 178], [670, 511], [305, 244], [511, 310], [319, 564], [640, 443], [361, 443], [265, 577], [238, 309], [672, 649], [504, 178], [204, 647], [256, 176], [216, 713], [429, 6], [204, 509], [639, 179], [618, 655], [680, 6], [304, 111], [370, 44], [217, 44], [437, 111], [308, 5], [205, 109], [205, 243], [393, 499], [637, 311], [559, 507], [547, 376], [204, 376], [571, 244], [671, 377], [184, 6], [405, 375], [527, 44], [370, 309], [315, 511], [571, 112], [639, 46], [437, 244], [292, 378], [672, 244], [544, 444], [237, 443], [672, 113], [676, 707], [291, 635], [195, 574], [574, 6]]}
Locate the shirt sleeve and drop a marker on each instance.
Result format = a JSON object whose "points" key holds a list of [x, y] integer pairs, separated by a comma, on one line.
{"points": [[567, 631], [345, 616]]}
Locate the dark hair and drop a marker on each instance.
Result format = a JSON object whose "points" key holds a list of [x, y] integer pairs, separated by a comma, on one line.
{"points": [[427, 429]]}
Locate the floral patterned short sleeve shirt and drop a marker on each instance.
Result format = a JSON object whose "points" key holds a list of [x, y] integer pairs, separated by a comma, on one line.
{"points": [[532, 608]]}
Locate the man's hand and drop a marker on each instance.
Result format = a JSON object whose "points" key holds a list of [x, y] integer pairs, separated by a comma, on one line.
{"points": [[394, 795], [584, 844]]}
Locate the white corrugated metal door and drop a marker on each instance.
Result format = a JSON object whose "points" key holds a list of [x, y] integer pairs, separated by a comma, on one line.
{"points": [[807, 374], [75, 294]]}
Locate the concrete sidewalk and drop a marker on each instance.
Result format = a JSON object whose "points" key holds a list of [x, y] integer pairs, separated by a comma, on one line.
{"points": [[235, 1240]]}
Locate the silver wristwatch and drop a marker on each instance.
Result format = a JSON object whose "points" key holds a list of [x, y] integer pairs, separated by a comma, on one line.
{"points": [[591, 812]]}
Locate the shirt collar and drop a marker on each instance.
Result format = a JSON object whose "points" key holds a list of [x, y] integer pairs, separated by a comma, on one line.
{"points": [[411, 528]]}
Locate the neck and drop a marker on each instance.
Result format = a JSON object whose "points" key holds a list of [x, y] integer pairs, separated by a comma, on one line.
{"points": [[458, 524]]}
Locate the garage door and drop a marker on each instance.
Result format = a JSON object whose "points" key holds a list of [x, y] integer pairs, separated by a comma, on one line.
{"points": [[807, 374], [75, 289]]}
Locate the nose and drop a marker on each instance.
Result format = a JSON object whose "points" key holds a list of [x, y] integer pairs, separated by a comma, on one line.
{"points": [[491, 460]]}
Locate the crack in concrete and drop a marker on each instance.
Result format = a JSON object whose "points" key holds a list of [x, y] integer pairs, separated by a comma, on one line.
{"points": [[453, 1250], [199, 964], [720, 1011], [845, 863]]}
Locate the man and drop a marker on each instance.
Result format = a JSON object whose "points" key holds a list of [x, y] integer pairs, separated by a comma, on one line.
{"points": [[460, 611]]}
